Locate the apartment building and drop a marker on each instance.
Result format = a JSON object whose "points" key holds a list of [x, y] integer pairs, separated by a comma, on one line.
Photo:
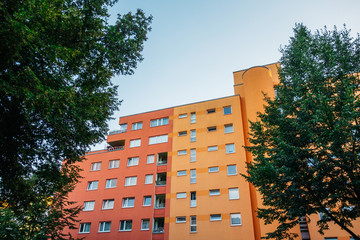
{"points": [[174, 173]]}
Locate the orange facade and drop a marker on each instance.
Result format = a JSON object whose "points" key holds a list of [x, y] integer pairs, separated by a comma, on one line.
{"points": [[174, 173]]}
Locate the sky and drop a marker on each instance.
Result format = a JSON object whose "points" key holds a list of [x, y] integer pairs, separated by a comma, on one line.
{"points": [[195, 45]]}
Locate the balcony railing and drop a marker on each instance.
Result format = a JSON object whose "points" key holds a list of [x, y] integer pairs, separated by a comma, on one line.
{"points": [[109, 149], [117, 131], [158, 230], [163, 162], [160, 182], [159, 205]]}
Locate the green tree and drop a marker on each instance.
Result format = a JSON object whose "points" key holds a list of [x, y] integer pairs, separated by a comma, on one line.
{"points": [[306, 144], [57, 59]]}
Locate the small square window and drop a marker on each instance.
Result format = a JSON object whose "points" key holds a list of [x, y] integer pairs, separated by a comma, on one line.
{"points": [[104, 226], [231, 170], [227, 110], [84, 227], [114, 164], [150, 159], [233, 193], [181, 152], [181, 173], [181, 195], [147, 201], [145, 224], [212, 148], [130, 181], [230, 148], [128, 202], [184, 115], [215, 217], [111, 183], [211, 110], [180, 219], [235, 219], [108, 204], [135, 143], [183, 133], [89, 206], [133, 161], [228, 128], [96, 166], [213, 169], [93, 185], [211, 129], [149, 179], [137, 126], [125, 225], [214, 192]]}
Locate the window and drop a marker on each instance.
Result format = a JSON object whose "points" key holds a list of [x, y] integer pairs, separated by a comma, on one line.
{"points": [[133, 161], [147, 201], [84, 227], [158, 139], [114, 164], [193, 176], [183, 133], [227, 110], [229, 128], [159, 122], [181, 173], [108, 204], [162, 158], [123, 127], [150, 159], [231, 170], [135, 143], [193, 155], [233, 193], [212, 148], [331, 238], [145, 224], [181, 195], [128, 202], [180, 219], [211, 129], [193, 224], [214, 192], [137, 126], [213, 169], [235, 219], [93, 185], [96, 166], [159, 201], [192, 135], [181, 152], [149, 179], [111, 183], [125, 225], [215, 217], [193, 117], [230, 148], [130, 181], [158, 225], [184, 115], [212, 110], [89, 206], [104, 226], [192, 199], [160, 179]]}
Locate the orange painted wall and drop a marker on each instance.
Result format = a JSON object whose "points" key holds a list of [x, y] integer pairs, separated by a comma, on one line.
{"points": [[118, 213], [205, 181]]}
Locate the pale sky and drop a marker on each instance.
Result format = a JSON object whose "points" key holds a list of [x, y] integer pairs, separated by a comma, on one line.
{"points": [[196, 45]]}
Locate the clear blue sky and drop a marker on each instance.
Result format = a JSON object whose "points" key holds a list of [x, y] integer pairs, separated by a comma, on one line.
{"points": [[196, 45]]}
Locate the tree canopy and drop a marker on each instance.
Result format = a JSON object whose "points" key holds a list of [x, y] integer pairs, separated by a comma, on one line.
{"points": [[57, 59], [306, 144]]}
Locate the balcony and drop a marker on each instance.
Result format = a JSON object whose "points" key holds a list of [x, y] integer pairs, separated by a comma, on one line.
{"points": [[158, 225], [160, 179], [162, 158], [159, 201], [117, 131]]}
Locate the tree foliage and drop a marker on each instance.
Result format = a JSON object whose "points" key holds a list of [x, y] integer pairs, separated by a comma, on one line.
{"points": [[57, 59], [306, 145]]}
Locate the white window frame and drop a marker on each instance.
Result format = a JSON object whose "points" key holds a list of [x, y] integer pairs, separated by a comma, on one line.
{"points": [[213, 169], [212, 129], [130, 181], [136, 126], [135, 143], [114, 163], [183, 115], [89, 206], [181, 195], [181, 173], [210, 110], [90, 185], [126, 202], [148, 224], [182, 133], [234, 194], [124, 223], [84, 227], [111, 183], [192, 176], [212, 148], [158, 139], [96, 166], [133, 161], [144, 201], [229, 168], [215, 217], [182, 152], [149, 179], [234, 216], [108, 204], [193, 224], [150, 159], [103, 225], [228, 128], [214, 192], [193, 155], [193, 117], [193, 135], [193, 197], [181, 219], [230, 148], [159, 122]]}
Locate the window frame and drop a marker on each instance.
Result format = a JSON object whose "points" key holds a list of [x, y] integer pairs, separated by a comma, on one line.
{"points": [[234, 193], [87, 203], [142, 224], [182, 152], [152, 178], [149, 197], [110, 181], [95, 166], [192, 176], [225, 110], [158, 139], [182, 133], [212, 129], [210, 110], [227, 146], [126, 202], [229, 169], [130, 179], [212, 148], [181, 195], [193, 135], [182, 115], [180, 221], [136, 126], [83, 226], [217, 169], [193, 224], [214, 192], [135, 143], [226, 126], [111, 163], [89, 184], [110, 202], [231, 219], [159, 122], [217, 217], [181, 173], [151, 161], [124, 223], [101, 228], [133, 161], [192, 117]]}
